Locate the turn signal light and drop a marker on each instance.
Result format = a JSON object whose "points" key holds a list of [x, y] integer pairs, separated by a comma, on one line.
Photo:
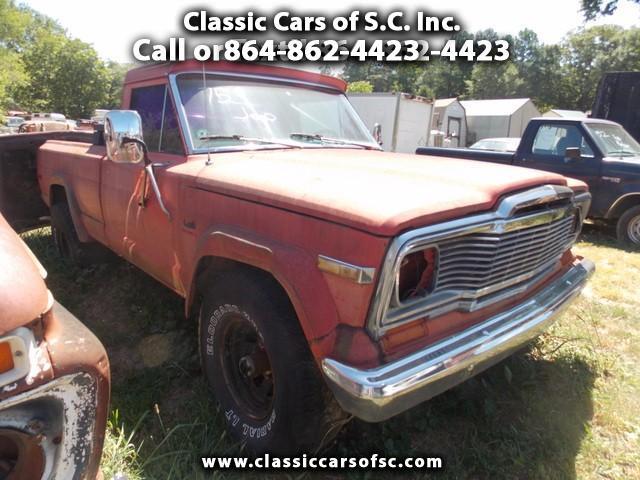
{"points": [[6, 357]]}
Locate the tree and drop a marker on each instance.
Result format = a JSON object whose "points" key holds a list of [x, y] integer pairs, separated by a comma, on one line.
{"points": [[441, 78], [43, 69], [360, 86], [539, 68], [13, 24], [12, 74], [65, 76], [565, 75], [591, 9], [115, 73], [494, 80], [589, 53], [378, 74]]}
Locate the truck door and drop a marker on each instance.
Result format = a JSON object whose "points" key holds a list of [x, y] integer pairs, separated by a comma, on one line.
{"points": [[143, 233], [548, 152]]}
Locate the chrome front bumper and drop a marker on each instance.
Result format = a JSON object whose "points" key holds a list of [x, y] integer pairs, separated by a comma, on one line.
{"points": [[380, 393]]}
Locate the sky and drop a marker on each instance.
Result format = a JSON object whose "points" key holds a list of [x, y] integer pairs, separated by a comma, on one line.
{"points": [[112, 27]]}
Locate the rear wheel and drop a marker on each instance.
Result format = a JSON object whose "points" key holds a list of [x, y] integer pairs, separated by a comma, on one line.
{"points": [[257, 360], [628, 228], [66, 241]]}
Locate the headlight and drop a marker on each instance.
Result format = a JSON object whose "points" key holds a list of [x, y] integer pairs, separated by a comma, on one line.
{"points": [[416, 276], [16, 348]]}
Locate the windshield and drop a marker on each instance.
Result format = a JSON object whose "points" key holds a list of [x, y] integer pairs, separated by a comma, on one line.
{"points": [[231, 113], [613, 140]]}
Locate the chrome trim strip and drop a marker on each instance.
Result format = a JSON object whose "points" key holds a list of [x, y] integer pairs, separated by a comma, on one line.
{"points": [[361, 275], [379, 393], [497, 221], [440, 302]]}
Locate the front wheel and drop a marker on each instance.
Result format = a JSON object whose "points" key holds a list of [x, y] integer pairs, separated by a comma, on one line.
{"points": [[628, 228], [256, 359]]}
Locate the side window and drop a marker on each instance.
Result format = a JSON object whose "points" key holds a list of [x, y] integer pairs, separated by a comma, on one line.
{"points": [[553, 140], [159, 119]]}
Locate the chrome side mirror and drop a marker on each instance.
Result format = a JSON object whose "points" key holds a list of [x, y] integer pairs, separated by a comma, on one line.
{"points": [[120, 128], [377, 133], [572, 154]]}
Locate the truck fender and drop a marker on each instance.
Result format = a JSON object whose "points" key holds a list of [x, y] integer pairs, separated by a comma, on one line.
{"points": [[294, 269], [622, 203], [59, 180]]}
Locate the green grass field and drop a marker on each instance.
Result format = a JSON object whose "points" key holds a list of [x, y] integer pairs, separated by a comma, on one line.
{"points": [[566, 407]]}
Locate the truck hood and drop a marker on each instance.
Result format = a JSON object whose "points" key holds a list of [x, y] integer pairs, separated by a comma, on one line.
{"points": [[23, 294], [378, 192]]}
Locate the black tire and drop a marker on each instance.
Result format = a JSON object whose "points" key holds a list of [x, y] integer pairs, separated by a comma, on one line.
{"points": [[66, 241], [628, 228], [283, 406]]}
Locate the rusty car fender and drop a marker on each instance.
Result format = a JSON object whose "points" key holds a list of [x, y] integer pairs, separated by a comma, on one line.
{"points": [[54, 397], [285, 263]]}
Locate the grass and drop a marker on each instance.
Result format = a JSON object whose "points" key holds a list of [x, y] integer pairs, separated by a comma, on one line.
{"points": [[566, 407]]}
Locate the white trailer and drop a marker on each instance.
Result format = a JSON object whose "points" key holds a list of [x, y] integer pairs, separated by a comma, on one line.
{"points": [[405, 120]]}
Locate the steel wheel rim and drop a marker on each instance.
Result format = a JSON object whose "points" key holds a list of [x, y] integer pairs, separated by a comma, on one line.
{"points": [[247, 368], [633, 230]]}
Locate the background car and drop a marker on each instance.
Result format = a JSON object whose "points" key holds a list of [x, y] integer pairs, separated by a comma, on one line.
{"points": [[11, 124], [497, 144]]}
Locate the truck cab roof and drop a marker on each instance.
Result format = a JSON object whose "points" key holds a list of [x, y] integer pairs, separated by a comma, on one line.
{"points": [[157, 71], [572, 120]]}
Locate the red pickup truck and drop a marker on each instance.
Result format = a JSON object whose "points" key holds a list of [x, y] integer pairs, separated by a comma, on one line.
{"points": [[329, 277]]}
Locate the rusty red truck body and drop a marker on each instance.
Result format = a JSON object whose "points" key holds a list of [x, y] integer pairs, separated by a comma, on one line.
{"points": [[327, 275], [54, 376]]}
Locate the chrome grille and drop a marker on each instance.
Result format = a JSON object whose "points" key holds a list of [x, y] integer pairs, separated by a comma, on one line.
{"points": [[483, 262], [481, 259]]}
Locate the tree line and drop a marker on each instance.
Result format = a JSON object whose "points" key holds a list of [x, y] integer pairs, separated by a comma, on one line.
{"points": [[43, 69], [563, 75]]}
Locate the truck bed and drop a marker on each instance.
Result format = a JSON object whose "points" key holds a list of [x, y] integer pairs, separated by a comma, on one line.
{"points": [[468, 154], [20, 200]]}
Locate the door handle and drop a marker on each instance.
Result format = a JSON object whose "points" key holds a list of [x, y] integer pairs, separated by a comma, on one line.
{"points": [[161, 165]]}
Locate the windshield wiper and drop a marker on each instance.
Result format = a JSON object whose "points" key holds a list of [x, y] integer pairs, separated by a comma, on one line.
{"points": [[322, 139], [240, 138]]}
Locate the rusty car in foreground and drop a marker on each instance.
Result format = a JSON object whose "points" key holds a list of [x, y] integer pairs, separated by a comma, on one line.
{"points": [[54, 376], [328, 277]]}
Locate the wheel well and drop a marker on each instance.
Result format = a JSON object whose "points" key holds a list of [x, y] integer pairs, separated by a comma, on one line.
{"points": [[622, 205], [57, 194], [209, 268]]}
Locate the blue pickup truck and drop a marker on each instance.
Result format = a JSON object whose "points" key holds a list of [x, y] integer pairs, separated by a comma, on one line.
{"points": [[598, 152]]}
